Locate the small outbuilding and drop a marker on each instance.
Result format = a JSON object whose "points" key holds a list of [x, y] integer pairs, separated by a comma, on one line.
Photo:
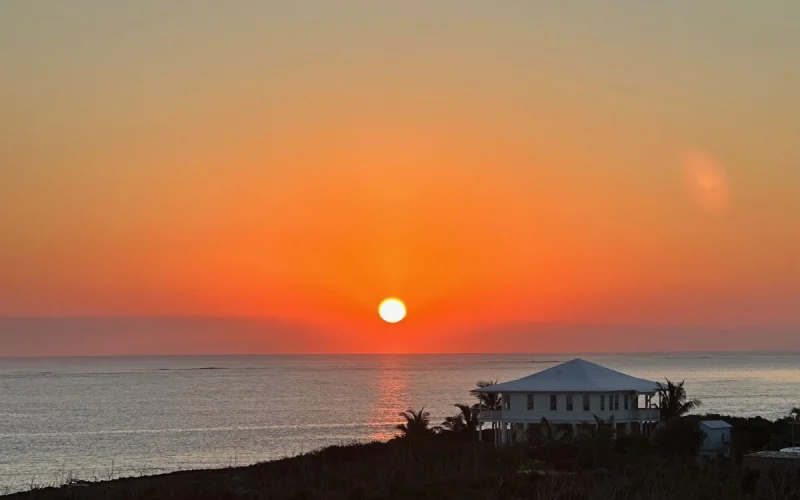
{"points": [[716, 438]]}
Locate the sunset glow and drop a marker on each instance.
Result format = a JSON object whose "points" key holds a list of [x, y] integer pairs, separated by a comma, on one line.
{"points": [[504, 167]]}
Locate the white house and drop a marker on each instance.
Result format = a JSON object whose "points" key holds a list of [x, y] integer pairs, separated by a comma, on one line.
{"points": [[716, 438], [569, 396]]}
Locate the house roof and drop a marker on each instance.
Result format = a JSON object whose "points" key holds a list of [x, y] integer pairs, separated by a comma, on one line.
{"points": [[715, 424], [577, 375]]}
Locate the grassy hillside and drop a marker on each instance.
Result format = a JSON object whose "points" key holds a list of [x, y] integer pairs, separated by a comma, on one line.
{"points": [[443, 467]]}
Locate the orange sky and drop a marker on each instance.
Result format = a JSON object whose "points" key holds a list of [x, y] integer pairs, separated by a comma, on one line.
{"points": [[492, 166]]}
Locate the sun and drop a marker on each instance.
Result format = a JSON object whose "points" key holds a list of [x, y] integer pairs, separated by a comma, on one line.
{"points": [[392, 310]]}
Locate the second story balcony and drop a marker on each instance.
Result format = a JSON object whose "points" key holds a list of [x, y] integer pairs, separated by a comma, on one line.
{"points": [[570, 417]]}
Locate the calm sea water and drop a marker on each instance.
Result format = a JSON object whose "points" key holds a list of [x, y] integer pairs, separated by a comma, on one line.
{"points": [[102, 417]]}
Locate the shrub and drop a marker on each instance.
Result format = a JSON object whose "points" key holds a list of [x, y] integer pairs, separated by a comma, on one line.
{"points": [[679, 437]]}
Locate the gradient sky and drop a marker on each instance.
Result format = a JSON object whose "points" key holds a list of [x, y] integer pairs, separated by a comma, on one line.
{"points": [[498, 165]]}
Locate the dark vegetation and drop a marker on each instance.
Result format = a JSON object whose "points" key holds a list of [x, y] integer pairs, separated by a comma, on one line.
{"points": [[448, 466], [449, 462]]}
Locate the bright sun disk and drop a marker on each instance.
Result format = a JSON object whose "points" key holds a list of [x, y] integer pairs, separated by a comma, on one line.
{"points": [[392, 310]]}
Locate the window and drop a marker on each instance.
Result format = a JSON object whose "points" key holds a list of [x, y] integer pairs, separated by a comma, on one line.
{"points": [[530, 402], [553, 402], [569, 402], [626, 402], [616, 401], [586, 403], [602, 402], [506, 401], [635, 403]]}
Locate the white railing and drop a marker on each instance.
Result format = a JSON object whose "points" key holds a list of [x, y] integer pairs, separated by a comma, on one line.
{"points": [[647, 414], [620, 416], [488, 415]]}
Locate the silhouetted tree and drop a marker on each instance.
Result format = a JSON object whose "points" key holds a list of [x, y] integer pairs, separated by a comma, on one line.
{"points": [[673, 400], [604, 429], [491, 401], [417, 424], [550, 433], [465, 422], [680, 436], [594, 444]]}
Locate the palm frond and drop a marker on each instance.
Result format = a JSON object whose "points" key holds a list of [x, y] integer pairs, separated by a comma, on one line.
{"points": [[550, 433], [673, 400], [416, 423], [488, 400]]}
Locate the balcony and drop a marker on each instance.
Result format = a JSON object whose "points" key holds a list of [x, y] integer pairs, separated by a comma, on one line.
{"points": [[573, 417], [489, 416], [646, 414]]}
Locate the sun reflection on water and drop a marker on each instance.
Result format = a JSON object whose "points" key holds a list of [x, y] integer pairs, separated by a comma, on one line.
{"points": [[390, 397]]}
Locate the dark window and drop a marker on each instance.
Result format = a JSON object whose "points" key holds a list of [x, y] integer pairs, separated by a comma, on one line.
{"points": [[530, 402], [553, 402], [616, 401], [586, 403], [626, 401], [506, 401], [602, 402], [569, 402]]}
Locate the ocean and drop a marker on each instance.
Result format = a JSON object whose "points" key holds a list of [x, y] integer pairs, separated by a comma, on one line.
{"points": [[97, 418]]}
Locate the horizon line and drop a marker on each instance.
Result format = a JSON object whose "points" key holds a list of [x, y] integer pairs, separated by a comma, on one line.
{"points": [[320, 354], [293, 321]]}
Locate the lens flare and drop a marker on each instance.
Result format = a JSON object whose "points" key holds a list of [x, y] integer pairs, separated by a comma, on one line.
{"points": [[707, 182]]}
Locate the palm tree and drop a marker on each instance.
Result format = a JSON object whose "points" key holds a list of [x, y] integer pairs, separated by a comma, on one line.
{"points": [[550, 433], [673, 400], [465, 422], [491, 401], [605, 429], [454, 424], [416, 425], [598, 440]]}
